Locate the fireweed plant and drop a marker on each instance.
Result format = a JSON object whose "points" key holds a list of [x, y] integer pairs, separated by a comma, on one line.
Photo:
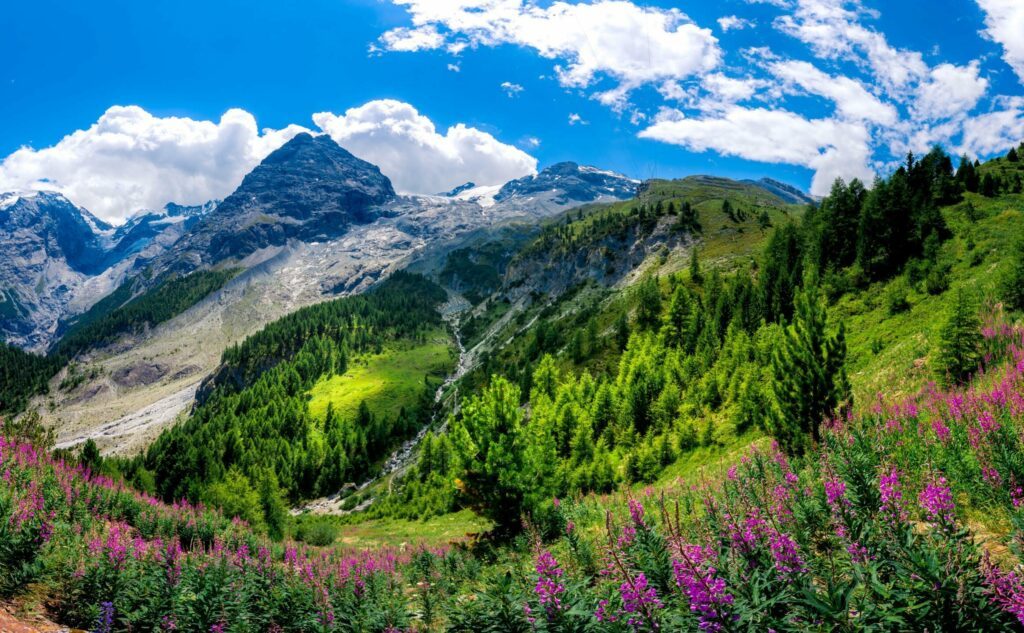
{"points": [[908, 516]]}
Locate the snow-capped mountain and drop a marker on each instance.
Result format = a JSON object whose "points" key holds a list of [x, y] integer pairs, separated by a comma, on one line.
{"points": [[567, 182], [162, 226], [50, 247]]}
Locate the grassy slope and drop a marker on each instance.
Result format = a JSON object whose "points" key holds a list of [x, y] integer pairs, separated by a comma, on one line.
{"points": [[907, 340], [387, 381], [437, 530], [723, 244], [887, 352]]}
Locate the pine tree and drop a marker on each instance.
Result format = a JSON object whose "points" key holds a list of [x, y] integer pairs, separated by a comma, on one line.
{"points": [[1012, 156], [810, 381], [989, 186], [695, 274], [960, 340], [648, 310], [491, 442], [728, 210], [1012, 284], [621, 332]]}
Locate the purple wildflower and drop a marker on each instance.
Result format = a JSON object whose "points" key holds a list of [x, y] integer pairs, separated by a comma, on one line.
{"points": [[105, 621], [1005, 589], [937, 501], [636, 512], [786, 553], [835, 492], [549, 588], [704, 589], [639, 601], [892, 495]]}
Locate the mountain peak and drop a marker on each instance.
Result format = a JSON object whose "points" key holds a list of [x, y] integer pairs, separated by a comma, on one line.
{"points": [[575, 183], [310, 189]]}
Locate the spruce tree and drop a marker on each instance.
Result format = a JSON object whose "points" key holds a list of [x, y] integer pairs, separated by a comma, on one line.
{"points": [[960, 340], [498, 457], [1012, 284], [810, 382]]}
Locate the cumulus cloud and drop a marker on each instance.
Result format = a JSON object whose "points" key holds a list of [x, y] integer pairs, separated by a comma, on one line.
{"points": [[1004, 23], [633, 45], [130, 159], [576, 119], [993, 132], [832, 148], [409, 149], [949, 91]]}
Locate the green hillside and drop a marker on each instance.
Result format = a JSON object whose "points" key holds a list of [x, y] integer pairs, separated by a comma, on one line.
{"points": [[387, 382]]}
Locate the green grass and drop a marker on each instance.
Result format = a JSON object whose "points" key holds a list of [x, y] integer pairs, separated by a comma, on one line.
{"points": [[906, 341], [382, 532], [387, 381]]}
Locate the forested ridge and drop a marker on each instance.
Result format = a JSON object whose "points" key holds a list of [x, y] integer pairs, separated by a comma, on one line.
{"points": [[699, 357], [254, 432]]}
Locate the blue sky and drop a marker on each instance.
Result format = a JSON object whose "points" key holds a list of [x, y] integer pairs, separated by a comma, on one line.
{"points": [[800, 90]]}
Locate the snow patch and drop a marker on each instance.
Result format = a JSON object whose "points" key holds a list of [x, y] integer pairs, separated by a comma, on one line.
{"points": [[482, 195]]}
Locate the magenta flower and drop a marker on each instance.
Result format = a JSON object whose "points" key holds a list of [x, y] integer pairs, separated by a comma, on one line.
{"points": [[636, 512], [639, 601], [1005, 590], [942, 431], [937, 501], [785, 553], [704, 589], [835, 491], [549, 588]]}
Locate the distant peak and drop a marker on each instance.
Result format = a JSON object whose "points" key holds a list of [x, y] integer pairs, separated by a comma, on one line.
{"points": [[575, 183]]}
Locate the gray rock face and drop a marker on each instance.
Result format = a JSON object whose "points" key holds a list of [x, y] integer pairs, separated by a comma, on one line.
{"points": [[59, 259], [310, 189], [50, 247], [565, 182], [143, 228]]}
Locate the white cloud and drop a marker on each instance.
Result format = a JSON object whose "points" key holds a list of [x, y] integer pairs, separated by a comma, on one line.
{"points": [[454, 68], [949, 91], [532, 142], [852, 99], [130, 159], [995, 131], [408, 148], [734, 23], [724, 91], [575, 119], [416, 39], [1004, 22], [615, 38], [511, 89], [832, 148], [833, 30]]}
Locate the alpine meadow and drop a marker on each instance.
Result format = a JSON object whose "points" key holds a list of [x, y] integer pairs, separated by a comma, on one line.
{"points": [[424, 369]]}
